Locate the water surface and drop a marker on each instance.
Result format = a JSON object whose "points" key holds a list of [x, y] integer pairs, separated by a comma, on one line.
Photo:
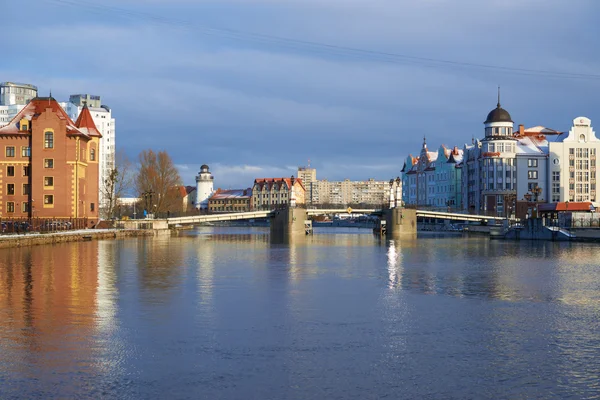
{"points": [[223, 313]]}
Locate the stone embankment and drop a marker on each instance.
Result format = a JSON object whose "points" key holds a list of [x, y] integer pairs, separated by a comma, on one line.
{"points": [[34, 239]]}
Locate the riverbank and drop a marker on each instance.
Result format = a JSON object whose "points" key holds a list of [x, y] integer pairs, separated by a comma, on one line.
{"points": [[35, 239]]}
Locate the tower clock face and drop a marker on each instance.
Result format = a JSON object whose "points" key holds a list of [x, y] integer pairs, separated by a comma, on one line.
{"points": [[556, 161]]}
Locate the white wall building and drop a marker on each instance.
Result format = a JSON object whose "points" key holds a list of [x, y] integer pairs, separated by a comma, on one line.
{"points": [[572, 163], [13, 97], [204, 187], [102, 116]]}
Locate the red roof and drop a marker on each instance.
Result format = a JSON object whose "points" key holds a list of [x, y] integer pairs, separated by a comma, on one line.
{"points": [[564, 206], [33, 110], [86, 124], [278, 182]]}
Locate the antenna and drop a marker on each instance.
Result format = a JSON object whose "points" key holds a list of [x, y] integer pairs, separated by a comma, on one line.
{"points": [[498, 96], [309, 163]]}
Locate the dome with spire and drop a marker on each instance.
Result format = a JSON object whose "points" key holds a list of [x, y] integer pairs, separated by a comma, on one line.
{"points": [[498, 114]]}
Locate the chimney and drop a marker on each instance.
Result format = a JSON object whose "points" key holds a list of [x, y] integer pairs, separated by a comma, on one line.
{"points": [[521, 130]]}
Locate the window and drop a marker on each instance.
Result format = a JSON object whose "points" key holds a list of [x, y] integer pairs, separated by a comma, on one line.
{"points": [[532, 174], [49, 181], [48, 163], [25, 207], [532, 162], [10, 151], [49, 140], [571, 151], [92, 207], [26, 189], [25, 151], [555, 176], [10, 189], [93, 155], [10, 170], [26, 170], [48, 199], [10, 207]]}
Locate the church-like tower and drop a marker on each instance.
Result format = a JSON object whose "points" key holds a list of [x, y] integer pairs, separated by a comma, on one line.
{"points": [[204, 187]]}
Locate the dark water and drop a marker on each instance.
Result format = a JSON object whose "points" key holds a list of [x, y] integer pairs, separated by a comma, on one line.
{"points": [[224, 314]]}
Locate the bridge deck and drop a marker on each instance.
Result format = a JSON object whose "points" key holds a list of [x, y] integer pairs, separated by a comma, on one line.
{"points": [[197, 219]]}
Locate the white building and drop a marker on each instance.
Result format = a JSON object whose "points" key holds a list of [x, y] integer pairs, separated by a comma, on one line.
{"points": [[572, 163], [13, 97], [204, 187], [102, 116]]}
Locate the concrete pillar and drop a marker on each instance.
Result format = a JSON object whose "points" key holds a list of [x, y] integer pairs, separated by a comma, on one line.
{"points": [[288, 222], [401, 223]]}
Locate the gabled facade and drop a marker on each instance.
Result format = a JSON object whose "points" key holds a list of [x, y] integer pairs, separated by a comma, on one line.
{"points": [[433, 179], [49, 164], [268, 193]]}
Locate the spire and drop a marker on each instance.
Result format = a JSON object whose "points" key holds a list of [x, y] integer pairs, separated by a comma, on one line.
{"points": [[498, 96], [424, 142]]}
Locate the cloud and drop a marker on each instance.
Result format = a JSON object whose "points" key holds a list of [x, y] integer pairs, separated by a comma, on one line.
{"points": [[242, 103]]}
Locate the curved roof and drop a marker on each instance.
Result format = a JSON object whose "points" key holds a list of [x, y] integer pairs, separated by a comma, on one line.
{"points": [[498, 114]]}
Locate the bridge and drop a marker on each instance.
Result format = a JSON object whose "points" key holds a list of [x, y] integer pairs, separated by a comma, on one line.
{"points": [[198, 219]]}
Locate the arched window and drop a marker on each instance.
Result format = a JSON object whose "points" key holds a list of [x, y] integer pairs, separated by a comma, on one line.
{"points": [[48, 140], [93, 155]]}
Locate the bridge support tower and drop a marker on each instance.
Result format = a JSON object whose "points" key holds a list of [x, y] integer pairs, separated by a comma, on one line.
{"points": [[289, 222], [401, 223]]}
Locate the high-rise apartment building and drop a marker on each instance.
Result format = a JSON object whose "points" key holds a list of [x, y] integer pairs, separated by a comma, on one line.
{"points": [[13, 97]]}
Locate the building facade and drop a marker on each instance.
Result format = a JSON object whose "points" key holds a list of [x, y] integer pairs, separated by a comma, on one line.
{"points": [[572, 163], [49, 164], [269, 193], [204, 187], [308, 176], [234, 200], [433, 179], [105, 122]]}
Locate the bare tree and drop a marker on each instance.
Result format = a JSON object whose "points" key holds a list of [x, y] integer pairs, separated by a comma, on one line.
{"points": [[115, 184], [155, 180]]}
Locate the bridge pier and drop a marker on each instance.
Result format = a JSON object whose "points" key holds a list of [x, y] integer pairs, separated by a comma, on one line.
{"points": [[401, 223], [288, 222]]}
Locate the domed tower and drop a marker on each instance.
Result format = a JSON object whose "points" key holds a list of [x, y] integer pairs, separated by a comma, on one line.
{"points": [[204, 187], [498, 163]]}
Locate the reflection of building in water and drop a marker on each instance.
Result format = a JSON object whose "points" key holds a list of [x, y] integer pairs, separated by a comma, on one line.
{"points": [[50, 291]]}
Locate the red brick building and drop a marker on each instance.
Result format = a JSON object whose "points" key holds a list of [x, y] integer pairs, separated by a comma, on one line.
{"points": [[49, 164]]}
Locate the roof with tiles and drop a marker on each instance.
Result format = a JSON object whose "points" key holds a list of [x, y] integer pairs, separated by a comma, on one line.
{"points": [[276, 182], [85, 123], [33, 110], [221, 194]]}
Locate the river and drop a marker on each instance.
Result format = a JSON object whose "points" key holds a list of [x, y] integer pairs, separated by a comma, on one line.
{"points": [[223, 313]]}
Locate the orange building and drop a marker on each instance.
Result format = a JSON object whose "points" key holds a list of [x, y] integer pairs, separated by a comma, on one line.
{"points": [[49, 164]]}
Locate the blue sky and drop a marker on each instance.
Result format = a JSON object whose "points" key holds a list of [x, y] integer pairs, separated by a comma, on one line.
{"points": [[178, 81]]}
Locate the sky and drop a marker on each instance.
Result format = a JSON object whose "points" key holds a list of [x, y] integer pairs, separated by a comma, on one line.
{"points": [[256, 88]]}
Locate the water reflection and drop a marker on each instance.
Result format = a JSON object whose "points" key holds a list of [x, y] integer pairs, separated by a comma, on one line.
{"points": [[224, 312]]}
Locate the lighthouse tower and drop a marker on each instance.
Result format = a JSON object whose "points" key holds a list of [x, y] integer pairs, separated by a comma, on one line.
{"points": [[204, 187]]}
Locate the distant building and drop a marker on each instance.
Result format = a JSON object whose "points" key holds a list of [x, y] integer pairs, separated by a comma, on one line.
{"points": [[308, 176], [347, 192], [269, 193], [234, 200], [49, 163], [12, 93], [102, 116], [204, 187], [13, 97]]}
